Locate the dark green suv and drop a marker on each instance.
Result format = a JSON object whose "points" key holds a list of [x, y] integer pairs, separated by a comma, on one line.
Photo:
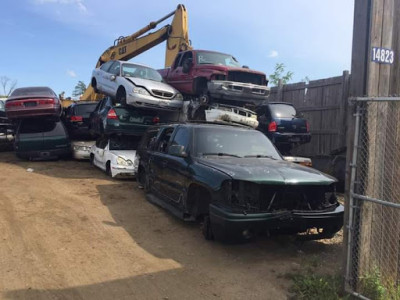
{"points": [[41, 139]]}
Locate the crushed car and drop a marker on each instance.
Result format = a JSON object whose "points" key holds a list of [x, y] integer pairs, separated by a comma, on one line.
{"points": [[136, 85], [81, 149], [235, 182], [116, 155], [77, 118]]}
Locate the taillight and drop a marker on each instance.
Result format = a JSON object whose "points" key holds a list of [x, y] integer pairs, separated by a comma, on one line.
{"points": [[47, 101], [272, 126], [156, 120], [112, 114], [307, 126], [76, 119], [14, 104]]}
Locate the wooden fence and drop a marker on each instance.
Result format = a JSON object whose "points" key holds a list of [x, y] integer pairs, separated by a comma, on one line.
{"points": [[323, 103]]}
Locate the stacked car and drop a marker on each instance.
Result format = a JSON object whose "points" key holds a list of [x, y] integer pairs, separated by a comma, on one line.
{"points": [[36, 111], [136, 98]]}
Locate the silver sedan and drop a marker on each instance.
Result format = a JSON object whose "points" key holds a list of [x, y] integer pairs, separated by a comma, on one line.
{"points": [[136, 85]]}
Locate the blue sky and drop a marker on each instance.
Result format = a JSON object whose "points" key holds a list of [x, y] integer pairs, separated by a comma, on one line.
{"points": [[57, 42]]}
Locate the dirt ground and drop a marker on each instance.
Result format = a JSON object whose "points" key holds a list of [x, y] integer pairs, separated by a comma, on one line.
{"points": [[69, 232]]}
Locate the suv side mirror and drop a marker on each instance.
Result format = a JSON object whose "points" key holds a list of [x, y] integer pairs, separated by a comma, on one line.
{"points": [[187, 64], [177, 150], [113, 77]]}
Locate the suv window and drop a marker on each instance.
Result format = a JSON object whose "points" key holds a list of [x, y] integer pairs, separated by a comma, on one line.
{"points": [[58, 130], [163, 142], [36, 126], [84, 109], [106, 66], [182, 137]]}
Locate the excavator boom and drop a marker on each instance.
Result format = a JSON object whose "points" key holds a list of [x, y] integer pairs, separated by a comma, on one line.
{"points": [[124, 48]]}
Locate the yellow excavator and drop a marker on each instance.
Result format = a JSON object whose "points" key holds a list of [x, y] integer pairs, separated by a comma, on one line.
{"points": [[125, 48]]}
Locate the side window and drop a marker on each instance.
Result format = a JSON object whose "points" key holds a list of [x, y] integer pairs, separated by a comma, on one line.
{"points": [[115, 68], [104, 67], [163, 142], [186, 56], [182, 137], [148, 141], [177, 59]]}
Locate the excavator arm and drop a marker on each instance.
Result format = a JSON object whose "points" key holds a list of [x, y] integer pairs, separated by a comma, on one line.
{"points": [[125, 48]]}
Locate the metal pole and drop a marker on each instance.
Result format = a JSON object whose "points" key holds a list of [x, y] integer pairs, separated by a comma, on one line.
{"points": [[351, 198]]}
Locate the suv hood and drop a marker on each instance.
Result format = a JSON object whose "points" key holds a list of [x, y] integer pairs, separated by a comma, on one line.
{"points": [[265, 170], [151, 84]]}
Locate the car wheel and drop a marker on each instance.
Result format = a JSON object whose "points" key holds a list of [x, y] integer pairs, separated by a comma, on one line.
{"points": [[206, 228], [108, 169], [92, 159], [121, 96], [200, 114]]}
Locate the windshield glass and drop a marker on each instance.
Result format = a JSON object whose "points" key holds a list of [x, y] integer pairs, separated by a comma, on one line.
{"points": [[233, 142], [84, 110], [282, 111], [124, 142], [2, 105], [131, 70], [214, 58]]}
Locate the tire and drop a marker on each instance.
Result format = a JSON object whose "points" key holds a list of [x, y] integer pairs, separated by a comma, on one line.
{"points": [[108, 169], [200, 114], [92, 159], [94, 85], [121, 96], [206, 229]]}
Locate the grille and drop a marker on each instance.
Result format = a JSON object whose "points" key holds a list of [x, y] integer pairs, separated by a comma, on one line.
{"points": [[246, 77], [162, 94]]}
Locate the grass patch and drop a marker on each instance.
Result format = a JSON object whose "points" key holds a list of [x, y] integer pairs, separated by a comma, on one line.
{"points": [[316, 287], [371, 286]]}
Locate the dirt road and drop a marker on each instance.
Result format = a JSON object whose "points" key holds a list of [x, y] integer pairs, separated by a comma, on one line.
{"points": [[69, 232]]}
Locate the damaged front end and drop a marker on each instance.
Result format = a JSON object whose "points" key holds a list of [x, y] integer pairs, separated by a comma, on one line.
{"points": [[248, 208], [231, 114]]}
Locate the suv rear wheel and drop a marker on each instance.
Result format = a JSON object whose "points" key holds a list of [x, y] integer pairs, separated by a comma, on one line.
{"points": [[121, 96]]}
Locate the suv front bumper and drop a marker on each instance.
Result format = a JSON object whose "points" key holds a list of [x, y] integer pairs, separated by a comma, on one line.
{"points": [[238, 91], [228, 225]]}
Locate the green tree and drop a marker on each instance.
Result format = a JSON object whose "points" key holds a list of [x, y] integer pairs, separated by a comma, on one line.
{"points": [[80, 88], [279, 74]]}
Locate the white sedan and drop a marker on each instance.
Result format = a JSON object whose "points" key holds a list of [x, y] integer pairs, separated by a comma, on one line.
{"points": [[116, 155], [136, 85]]}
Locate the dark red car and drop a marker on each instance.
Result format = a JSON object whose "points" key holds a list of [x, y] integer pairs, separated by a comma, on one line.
{"points": [[30, 102], [213, 75]]}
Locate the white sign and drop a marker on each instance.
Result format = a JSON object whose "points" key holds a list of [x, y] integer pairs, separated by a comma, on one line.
{"points": [[382, 55]]}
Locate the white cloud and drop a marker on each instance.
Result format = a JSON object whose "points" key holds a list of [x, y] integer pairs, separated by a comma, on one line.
{"points": [[78, 3], [71, 73], [273, 53]]}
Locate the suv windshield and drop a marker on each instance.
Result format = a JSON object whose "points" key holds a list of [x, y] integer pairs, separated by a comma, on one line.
{"points": [[214, 58], [282, 111], [131, 70], [37, 126], [233, 142], [124, 142]]}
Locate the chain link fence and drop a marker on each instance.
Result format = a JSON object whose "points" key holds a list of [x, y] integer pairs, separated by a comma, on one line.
{"points": [[373, 254]]}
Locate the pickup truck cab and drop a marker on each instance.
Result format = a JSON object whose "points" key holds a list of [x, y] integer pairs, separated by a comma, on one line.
{"points": [[210, 75]]}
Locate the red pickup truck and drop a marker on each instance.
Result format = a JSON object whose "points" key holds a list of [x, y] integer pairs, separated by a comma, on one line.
{"points": [[213, 75]]}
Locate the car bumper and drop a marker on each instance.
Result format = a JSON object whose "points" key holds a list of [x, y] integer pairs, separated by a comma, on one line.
{"points": [[226, 224], [81, 154], [290, 138], [33, 112], [153, 102], [44, 154], [216, 114], [238, 91], [118, 171]]}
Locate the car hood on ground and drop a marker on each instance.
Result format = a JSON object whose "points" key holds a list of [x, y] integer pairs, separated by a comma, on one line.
{"points": [[266, 170], [125, 154], [152, 85]]}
